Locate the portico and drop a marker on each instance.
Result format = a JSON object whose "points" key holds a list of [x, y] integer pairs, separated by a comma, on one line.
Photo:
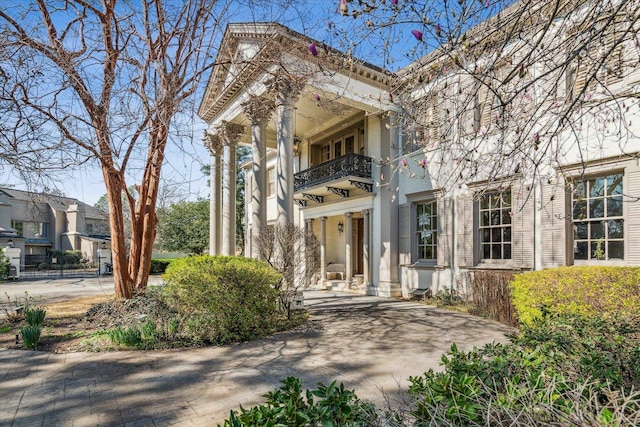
{"points": [[313, 148]]}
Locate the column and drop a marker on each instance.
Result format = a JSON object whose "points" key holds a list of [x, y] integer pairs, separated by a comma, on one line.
{"points": [[229, 133], [258, 110], [214, 145], [286, 91], [388, 277], [347, 247], [365, 248], [323, 249]]}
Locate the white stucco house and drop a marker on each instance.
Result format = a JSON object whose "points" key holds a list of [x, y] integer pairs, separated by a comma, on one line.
{"points": [[389, 198]]}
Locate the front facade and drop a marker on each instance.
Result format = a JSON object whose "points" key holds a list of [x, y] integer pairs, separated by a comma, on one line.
{"points": [[37, 222], [393, 207]]}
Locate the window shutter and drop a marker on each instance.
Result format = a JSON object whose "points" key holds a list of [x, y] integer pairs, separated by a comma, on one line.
{"points": [[444, 231], [632, 224], [405, 234], [554, 216], [523, 205], [466, 231]]}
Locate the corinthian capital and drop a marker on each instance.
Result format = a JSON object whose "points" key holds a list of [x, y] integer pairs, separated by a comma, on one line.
{"points": [[213, 143], [229, 132], [284, 88], [258, 109]]}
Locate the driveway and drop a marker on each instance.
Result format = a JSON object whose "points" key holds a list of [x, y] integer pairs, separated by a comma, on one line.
{"points": [[371, 344]]}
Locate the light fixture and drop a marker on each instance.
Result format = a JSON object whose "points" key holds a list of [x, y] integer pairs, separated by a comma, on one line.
{"points": [[296, 145], [340, 227]]}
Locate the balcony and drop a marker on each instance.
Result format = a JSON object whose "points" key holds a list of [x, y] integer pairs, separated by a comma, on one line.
{"points": [[354, 165]]}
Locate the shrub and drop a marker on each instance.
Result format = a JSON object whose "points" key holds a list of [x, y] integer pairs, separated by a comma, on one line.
{"points": [[330, 405], [490, 294], [223, 299], [553, 366], [34, 316], [31, 335], [587, 291], [5, 265], [159, 266]]}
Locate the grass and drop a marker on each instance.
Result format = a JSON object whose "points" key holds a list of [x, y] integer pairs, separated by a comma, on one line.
{"points": [[74, 307]]}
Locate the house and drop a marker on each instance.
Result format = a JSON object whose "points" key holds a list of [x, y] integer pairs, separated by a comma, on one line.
{"points": [[38, 222], [411, 179]]}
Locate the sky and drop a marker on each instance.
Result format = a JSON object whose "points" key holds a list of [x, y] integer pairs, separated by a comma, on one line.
{"points": [[321, 20]]}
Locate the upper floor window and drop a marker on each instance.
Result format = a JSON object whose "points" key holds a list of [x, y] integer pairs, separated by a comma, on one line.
{"points": [[271, 181], [427, 230], [352, 142], [598, 224], [495, 225], [18, 226]]}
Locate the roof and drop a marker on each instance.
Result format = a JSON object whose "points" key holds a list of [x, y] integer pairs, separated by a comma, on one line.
{"points": [[269, 41], [59, 203]]}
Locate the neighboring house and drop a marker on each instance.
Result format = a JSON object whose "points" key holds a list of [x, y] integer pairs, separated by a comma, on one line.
{"points": [[37, 222], [333, 152]]}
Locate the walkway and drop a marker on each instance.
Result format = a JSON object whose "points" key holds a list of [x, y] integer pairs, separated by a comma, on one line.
{"points": [[369, 343]]}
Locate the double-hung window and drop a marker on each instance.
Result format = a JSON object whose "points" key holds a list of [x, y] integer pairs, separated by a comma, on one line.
{"points": [[427, 231], [495, 225], [598, 223]]}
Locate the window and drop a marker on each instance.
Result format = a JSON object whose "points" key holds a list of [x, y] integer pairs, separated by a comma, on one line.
{"points": [[40, 229], [271, 181], [495, 225], [427, 230], [598, 225], [325, 153], [18, 226]]}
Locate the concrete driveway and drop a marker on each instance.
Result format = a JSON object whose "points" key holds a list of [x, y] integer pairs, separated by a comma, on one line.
{"points": [[371, 344]]}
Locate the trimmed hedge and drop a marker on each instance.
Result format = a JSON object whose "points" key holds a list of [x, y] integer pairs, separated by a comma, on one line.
{"points": [[159, 265], [587, 291], [223, 299]]}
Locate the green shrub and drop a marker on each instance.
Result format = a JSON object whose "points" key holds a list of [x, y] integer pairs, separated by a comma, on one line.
{"points": [[159, 266], [553, 366], [588, 291], [31, 335], [223, 299], [34, 316], [330, 405], [5, 265]]}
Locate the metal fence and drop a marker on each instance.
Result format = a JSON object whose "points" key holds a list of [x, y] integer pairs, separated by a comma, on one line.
{"points": [[58, 274]]}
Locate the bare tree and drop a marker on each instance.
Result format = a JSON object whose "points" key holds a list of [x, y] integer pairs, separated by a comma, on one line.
{"points": [[104, 81], [292, 252], [500, 89]]}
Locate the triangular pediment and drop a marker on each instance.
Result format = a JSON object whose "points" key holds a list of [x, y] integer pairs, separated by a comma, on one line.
{"points": [[249, 51]]}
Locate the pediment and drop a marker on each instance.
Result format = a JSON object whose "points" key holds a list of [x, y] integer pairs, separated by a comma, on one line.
{"points": [[250, 50]]}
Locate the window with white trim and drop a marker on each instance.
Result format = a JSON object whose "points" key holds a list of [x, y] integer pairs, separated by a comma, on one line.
{"points": [[427, 231], [598, 223], [495, 225], [271, 181]]}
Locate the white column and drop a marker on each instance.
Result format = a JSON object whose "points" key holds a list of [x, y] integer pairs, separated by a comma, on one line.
{"points": [[229, 133], [258, 110], [365, 248], [286, 92], [388, 284], [214, 145], [323, 249], [348, 246]]}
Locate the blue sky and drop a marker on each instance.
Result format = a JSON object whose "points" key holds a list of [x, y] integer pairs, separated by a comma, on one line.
{"points": [[318, 19]]}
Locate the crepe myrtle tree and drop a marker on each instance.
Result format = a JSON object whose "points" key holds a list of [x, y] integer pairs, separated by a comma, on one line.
{"points": [[500, 89], [104, 82]]}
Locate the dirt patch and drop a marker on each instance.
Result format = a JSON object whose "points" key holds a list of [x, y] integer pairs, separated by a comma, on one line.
{"points": [[64, 330]]}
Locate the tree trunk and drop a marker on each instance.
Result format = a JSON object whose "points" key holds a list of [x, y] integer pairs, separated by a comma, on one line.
{"points": [[123, 282]]}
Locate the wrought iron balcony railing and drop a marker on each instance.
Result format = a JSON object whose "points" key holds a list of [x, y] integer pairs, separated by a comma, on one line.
{"points": [[348, 165]]}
